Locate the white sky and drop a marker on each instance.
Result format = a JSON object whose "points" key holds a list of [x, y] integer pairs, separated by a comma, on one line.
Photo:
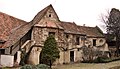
{"points": [[81, 12]]}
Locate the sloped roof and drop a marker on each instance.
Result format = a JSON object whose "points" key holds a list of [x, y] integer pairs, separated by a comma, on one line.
{"points": [[91, 31], [50, 24], [17, 35], [11, 29], [40, 14], [8, 24], [70, 27]]}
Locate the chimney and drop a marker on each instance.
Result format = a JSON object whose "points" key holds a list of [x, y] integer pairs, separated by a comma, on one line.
{"points": [[83, 24]]}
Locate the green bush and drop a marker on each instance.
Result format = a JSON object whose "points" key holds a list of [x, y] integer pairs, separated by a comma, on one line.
{"points": [[42, 66], [4, 68], [27, 67], [39, 66], [35, 67], [105, 60], [99, 60]]}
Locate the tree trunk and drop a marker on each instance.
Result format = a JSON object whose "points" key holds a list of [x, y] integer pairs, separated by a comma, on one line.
{"points": [[50, 64], [117, 47]]}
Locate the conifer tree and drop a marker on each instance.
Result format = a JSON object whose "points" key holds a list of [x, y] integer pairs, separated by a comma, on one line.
{"points": [[50, 51]]}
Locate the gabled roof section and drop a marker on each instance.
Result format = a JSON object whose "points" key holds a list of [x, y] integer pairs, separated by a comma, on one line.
{"points": [[41, 14], [70, 27], [91, 31]]}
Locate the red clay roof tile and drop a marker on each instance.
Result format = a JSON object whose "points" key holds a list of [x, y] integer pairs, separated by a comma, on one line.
{"points": [[90, 31]]}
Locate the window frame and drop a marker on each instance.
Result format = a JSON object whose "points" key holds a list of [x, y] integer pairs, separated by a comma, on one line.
{"points": [[94, 42], [77, 40]]}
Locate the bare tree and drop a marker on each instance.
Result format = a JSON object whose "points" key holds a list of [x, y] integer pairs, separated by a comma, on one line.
{"points": [[90, 53], [112, 21]]}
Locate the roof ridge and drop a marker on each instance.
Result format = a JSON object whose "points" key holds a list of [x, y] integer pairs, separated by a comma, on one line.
{"points": [[85, 26], [66, 22]]}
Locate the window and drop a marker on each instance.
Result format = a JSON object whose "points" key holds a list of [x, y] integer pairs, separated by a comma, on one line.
{"points": [[78, 49], [94, 42], [77, 41], [52, 33], [86, 42], [2, 51], [101, 41], [49, 15], [67, 36]]}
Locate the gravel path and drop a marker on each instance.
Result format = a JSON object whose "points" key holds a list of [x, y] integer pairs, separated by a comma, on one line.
{"points": [[89, 65]]}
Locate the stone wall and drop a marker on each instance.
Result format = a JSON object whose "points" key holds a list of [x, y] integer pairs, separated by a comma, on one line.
{"points": [[34, 56]]}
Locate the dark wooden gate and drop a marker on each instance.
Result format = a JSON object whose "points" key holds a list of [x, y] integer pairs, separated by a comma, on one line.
{"points": [[71, 56]]}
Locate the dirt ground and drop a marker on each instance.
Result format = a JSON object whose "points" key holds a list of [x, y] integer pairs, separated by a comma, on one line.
{"points": [[110, 65]]}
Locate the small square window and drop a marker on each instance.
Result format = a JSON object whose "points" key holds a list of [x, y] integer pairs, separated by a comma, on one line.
{"points": [[67, 36], [49, 15]]}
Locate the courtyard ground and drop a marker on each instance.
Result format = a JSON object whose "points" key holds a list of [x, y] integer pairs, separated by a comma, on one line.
{"points": [[110, 65]]}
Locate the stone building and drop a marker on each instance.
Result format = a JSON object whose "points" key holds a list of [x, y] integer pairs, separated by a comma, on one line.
{"points": [[17, 35]]}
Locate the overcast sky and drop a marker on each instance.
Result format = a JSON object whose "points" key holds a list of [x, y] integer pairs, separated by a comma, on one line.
{"points": [[81, 12]]}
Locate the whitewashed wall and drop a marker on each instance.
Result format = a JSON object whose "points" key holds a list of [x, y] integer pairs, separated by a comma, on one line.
{"points": [[7, 60]]}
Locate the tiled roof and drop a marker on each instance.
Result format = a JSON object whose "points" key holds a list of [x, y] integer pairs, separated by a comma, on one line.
{"points": [[40, 14], [8, 24], [17, 35], [70, 27], [11, 28], [91, 31], [50, 24]]}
